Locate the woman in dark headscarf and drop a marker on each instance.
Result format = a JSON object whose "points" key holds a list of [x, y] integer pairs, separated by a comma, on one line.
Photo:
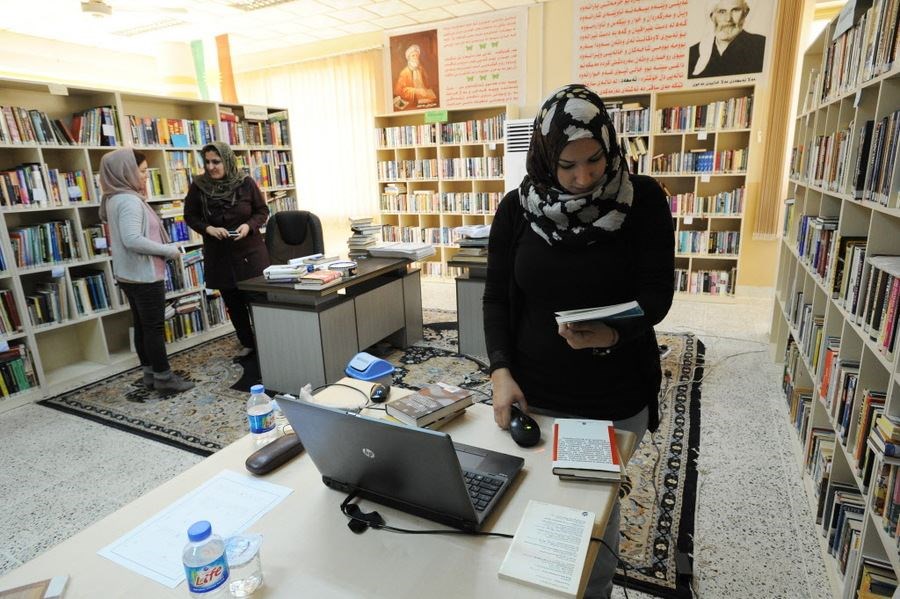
{"points": [[139, 247], [580, 232], [226, 207]]}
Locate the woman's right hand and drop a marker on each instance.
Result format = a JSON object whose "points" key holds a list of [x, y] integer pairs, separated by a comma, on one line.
{"points": [[217, 232], [506, 392]]}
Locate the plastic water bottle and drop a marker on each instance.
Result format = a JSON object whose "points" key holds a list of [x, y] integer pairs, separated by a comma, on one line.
{"points": [[205, 562], [261, 416]]}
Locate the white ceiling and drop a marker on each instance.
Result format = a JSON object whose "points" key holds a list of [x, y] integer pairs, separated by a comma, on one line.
{"points": [[290, 23]]}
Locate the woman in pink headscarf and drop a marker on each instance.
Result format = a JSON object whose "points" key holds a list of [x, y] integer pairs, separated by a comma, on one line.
{"points": [[140, 247]]}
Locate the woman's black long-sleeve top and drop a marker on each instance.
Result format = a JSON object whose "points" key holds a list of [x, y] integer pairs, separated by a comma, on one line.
{"points": [[528, 280]]}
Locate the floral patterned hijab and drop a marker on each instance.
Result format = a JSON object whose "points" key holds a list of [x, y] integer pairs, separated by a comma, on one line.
{"points": [[570, 113]]}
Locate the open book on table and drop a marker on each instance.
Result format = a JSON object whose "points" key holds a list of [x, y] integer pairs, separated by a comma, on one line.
{"points": [[601, 313], [586, 450]]}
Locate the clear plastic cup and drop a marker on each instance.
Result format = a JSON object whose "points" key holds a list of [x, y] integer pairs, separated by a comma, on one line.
{"points": [[244, 565]]}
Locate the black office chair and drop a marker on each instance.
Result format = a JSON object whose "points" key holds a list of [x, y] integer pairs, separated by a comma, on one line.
{"points": [[293, 233]]}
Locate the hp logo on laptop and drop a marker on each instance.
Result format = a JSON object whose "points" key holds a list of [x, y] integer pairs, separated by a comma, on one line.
{"points": [[368, 453]]}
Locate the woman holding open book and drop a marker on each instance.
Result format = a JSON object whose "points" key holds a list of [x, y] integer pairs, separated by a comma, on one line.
{"points": [[579, 232], [225, 206]]}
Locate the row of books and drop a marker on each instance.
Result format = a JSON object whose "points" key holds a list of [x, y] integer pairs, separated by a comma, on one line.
{"points": [[253, 133], [267, 174], [95, 126], [815, 243], [724, 203], [827, 164], [16, 370], [184, 317], [406, 135], [865, 50], [91, 293], [877, 173], [476, 130], [426, 200], [46, 243], [733, 113], [629, 118], [280, 201], [177, 133], [48, 303], [634, 151], [36, 184], [9, 313], [471, 168], [701, 161], [448, 235], [407, 169], [723, 243], [711, 282], [216, 313], [878, 310], [809, 328]]}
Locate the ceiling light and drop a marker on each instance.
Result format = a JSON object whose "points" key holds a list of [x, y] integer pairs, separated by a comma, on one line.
{"points": [[249, 5], [140, 29]]}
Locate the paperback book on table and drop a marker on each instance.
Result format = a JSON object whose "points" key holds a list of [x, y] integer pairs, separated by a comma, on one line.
{"points": [[586, 450], [430, 404], [601, 313]]}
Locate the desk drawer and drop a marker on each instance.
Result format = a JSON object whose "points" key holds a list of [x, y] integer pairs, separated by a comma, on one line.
{"points": [[379, 313]]}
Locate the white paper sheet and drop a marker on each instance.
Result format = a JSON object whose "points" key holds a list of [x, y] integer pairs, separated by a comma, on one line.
{"points": [[231, 502]]}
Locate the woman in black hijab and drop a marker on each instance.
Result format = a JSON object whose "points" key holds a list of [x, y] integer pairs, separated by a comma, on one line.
{"points": [[580, 232], [226, 207]]}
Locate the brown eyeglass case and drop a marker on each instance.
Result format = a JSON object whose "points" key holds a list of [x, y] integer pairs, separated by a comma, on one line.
{"points": [[268, 458]]}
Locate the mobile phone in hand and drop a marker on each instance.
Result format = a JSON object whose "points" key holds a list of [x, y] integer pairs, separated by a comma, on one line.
{"points": [[233, 233]]}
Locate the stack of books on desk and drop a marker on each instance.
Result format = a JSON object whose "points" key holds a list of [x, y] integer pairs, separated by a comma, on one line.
{"points": [[432, 406], [365, 235], [319, 279], [403, 249], [284, 273], [473, 244]]}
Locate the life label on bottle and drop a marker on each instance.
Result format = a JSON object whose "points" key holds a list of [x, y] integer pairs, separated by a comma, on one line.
{"points": [[203, 579], [261, 423]]}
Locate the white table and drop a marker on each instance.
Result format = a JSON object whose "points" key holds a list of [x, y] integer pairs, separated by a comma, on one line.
{"points": [[308, 551]]}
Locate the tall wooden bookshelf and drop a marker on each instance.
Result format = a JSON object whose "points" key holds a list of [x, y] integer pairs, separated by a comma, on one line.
{"points": [[433, 177], [832, 318], [696, 144], [73, 323]]}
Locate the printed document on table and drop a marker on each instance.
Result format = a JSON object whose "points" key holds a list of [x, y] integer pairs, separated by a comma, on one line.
{"points": [[231, 502]]}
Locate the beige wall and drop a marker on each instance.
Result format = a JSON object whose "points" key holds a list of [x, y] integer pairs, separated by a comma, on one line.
{"points": [[38, 59]]}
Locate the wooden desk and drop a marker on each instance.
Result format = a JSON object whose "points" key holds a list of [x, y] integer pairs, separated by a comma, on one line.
{"points": [[305, 336], [308, 551]]}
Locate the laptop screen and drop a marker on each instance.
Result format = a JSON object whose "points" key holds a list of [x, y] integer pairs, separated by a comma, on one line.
{"points": [[413, 469]]}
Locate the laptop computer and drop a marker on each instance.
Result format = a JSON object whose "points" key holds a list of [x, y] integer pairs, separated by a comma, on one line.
{"points": [[415, 470]]}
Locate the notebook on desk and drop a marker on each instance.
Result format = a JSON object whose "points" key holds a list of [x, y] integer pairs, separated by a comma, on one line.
{"points": [[419, 471]]}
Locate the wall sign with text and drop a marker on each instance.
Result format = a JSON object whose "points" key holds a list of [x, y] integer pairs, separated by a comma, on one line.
{"points": [[637, 46], [459, 63]]}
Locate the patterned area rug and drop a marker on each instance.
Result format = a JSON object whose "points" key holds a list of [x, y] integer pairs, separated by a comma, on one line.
{"points": [[657, 515]]}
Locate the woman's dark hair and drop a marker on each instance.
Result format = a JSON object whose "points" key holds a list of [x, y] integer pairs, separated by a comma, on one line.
{"points": [[139, 157]]}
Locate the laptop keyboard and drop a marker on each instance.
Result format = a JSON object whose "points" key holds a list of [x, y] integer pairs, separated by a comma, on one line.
{"points": [[482, 488]]}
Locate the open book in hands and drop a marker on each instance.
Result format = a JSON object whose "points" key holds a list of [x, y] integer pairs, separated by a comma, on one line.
{"points": [[601, 314]]}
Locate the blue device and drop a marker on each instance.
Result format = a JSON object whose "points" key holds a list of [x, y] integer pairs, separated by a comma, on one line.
{"points": [[366, 367]]}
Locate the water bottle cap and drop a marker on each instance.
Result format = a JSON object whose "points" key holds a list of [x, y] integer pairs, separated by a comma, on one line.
{"points": [[257, 389], [199, 530]]}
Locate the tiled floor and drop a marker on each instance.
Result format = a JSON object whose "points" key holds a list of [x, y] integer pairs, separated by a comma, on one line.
{"points": [[754, 536]]}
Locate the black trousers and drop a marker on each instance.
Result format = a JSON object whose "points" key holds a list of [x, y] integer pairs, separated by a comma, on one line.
{"points": [[148, 306], [238, 304]]}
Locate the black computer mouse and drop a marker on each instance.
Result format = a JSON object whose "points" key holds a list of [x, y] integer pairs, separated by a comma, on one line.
{"points": [[379, 393], [523, 428]]}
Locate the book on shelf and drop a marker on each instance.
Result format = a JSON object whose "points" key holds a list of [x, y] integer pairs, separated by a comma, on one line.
{"points": [[586, 450], [429, 404], [549, 548], [601, 314]]}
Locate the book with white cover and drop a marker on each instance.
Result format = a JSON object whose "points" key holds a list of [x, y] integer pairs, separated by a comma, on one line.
{"points": [[549, 548], [403, 249], [602, 313], [586, 450]]}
